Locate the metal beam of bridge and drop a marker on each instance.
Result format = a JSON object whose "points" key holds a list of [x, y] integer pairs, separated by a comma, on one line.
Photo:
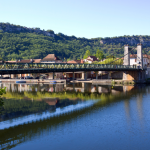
{"points": [[23, 68]]}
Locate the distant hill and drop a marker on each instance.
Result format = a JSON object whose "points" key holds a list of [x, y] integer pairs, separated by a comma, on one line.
{"points": [[18, 42]]}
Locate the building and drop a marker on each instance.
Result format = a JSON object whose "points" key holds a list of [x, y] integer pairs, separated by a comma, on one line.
{"points": [[25, 61], [146, 59], [90, 59], [22, 61], [51, 58]]}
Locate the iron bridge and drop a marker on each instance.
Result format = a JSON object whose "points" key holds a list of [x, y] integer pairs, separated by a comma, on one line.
{"points": [[23, 68]]}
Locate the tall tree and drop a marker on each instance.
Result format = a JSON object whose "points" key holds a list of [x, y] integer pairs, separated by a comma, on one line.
{"points": [[99, 54], [87, 53]]}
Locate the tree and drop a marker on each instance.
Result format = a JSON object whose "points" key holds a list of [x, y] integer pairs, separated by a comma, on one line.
{"points": [[87, 53], [50, 31], [99, 54], [111, 56]]}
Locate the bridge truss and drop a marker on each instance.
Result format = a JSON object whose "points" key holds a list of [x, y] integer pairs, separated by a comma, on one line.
{"points": [[22, 68]]}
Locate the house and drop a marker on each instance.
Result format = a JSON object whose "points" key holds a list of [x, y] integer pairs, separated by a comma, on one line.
{"points": [[51, 58], [146, 59], [90, 59], [23, 61]]}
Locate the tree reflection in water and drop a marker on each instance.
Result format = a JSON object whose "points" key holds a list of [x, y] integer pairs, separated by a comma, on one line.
{"points": [[2, 91]]}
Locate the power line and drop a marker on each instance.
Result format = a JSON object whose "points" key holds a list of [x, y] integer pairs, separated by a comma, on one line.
{"points": [[124, 55], [130, 50]]}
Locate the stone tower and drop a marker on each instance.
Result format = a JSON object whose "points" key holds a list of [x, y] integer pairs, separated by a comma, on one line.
{"points": [[139, 55], [126, 55]]}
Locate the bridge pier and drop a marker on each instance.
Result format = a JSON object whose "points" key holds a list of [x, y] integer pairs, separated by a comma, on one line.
{"points": [[134, 75], [84, 75], [130, 75]]}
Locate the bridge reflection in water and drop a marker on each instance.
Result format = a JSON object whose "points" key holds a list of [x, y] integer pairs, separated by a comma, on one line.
{"points": [[26, 103]]}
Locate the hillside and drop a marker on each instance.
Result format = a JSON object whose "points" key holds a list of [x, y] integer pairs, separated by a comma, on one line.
{"points": [[21, 42]]}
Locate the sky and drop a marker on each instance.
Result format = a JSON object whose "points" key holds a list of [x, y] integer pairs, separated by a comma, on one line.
{"points": [[81, 18]]}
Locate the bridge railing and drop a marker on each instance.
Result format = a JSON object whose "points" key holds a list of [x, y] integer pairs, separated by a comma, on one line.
{"points": [[27, 66]]}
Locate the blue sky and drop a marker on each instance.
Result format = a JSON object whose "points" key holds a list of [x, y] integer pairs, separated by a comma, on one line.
{"points": [[81, 18]]}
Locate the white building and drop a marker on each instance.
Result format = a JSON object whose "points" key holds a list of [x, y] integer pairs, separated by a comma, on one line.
{"points": [[90, 59], [146, 59]]}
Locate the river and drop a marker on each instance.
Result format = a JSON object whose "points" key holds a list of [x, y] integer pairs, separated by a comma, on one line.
{"points": [[75, 116]]}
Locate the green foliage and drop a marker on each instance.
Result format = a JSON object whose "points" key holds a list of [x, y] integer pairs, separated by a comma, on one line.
{"points": [[87, 53], [50, 31], [112, 61], [33, 43], [111, 56], [99, 54], [23, 106], [2, 91]]}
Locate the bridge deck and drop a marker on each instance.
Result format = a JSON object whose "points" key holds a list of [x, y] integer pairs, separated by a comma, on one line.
{"points": [[22, 68]]}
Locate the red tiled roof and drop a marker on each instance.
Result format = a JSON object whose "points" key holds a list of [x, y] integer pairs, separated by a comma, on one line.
{"points": [[144, 56], [74, 61], [25, 61], [78, 61], [50, 57], [10, 61], [36, 60]]}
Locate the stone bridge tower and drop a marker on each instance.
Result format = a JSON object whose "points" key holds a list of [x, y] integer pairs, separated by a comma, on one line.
{"points": [[134, 75], [139, 55], [126, 55]]}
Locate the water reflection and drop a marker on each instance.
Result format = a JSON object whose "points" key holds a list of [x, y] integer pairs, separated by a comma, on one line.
{"points": [[61, 108], [31, 111], [77, 87], [127, 109]]}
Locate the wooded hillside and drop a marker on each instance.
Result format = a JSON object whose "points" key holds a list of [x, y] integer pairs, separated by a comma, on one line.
{"points": [[18, 42]]}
